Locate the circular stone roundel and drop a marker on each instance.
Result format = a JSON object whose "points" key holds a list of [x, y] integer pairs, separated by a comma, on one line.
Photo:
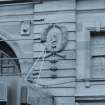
{"points": [[55, 38]]}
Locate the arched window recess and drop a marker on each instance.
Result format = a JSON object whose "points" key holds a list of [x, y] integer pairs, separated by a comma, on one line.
{"points": [[8, 65]]}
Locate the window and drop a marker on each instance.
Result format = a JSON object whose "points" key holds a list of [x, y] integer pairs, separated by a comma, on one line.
{"points": [[8, 63], [98, 54]]}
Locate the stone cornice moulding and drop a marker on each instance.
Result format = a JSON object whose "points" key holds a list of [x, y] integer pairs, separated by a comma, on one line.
{"points": [[89, 98]]}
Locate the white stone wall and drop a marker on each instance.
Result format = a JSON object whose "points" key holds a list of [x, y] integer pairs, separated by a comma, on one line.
{"points": [[60, 12], [90, 17], [80, 18]]}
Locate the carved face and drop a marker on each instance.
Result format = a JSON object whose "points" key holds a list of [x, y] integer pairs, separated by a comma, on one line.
{"points": [[54, 40]]}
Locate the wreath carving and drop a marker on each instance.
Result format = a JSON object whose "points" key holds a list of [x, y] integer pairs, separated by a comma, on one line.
{"points": [[55, 38]]}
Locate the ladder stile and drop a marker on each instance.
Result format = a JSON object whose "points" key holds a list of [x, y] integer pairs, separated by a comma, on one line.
{"points": [[30, 76], [40, 70]]}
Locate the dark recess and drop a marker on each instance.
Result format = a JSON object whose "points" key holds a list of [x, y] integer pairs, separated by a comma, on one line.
{"points": [[18, 1]]}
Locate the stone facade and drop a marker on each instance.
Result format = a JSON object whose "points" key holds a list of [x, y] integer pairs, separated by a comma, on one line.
{"points": [[73, 70]]}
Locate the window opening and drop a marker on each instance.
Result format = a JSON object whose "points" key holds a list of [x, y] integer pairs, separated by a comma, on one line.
{"points": [[98, 54], [8, 66]]}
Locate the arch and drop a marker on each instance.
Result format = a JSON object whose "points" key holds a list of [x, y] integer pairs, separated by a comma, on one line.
{"points": [[12, 45], [6, 53]]}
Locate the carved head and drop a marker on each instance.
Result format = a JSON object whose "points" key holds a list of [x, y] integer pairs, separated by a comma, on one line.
{"points": [[55, 38]]}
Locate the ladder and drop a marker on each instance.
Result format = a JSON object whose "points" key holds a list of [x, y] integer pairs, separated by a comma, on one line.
{"points": [[33, 76]]}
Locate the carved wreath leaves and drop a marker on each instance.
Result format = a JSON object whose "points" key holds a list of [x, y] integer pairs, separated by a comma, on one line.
{"points": [[63, 37]]}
